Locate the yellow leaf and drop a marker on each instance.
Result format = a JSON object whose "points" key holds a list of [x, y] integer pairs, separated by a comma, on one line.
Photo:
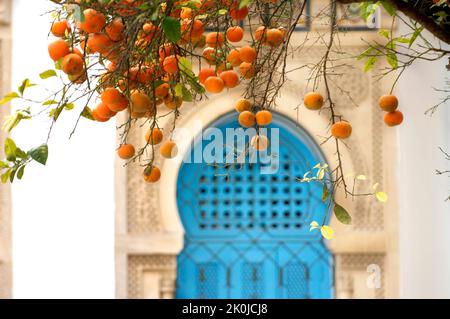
{"points": [[361, 177], [321, 174], [327, 232], [314, 225], [381, 196]]}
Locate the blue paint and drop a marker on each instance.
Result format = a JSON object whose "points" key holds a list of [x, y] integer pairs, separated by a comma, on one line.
{"points": [[247, 234]]}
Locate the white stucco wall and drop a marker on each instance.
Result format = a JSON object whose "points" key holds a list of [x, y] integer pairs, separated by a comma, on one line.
{"points": [[63, 233], [424, 215]]}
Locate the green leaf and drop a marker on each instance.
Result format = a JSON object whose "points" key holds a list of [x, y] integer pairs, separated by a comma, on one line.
{"points": [[20, 172], [244, 3], [370, 62], [21, 154], [341, 214], [401, 40], [325, 193], [8, 97], [12, 174], [10, 150], [3, 165], [365, 53], [25, 84], [69, 106], [5, 176], [50, 102], [87, 113], [416, 33], [47, 74], [385, 33], [172, 29], [39, 154], [392, 60], [13, 120], [390, 9]]}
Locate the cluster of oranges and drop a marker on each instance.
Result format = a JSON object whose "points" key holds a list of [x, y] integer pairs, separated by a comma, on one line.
{"points": [[389, 104], [224, 57], [154, 136], [248, 118]]}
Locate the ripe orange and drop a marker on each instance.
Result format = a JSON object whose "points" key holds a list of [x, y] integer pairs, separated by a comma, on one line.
{"points": [[72, 64], [152, 174], [233, 58], [230, 78], [393, 118], [165, 50], [260, 34], [274, 37], [313, 100], [104, 111], [247, 119], [247, 54], [162, 90], [60, 28], [99, 43], [247, 70], [173, 103], [170, 64], [97, 117], [206, 73], [115, 100], [141, 102], [126, 151], [192, 29], [263, 118], [243, 105], [388, 103], [341, 130], [168, 149], [214, 39], [94, 21], [259, 142], [154, 136], [58, 49], [211, 55], [235, 34], [214, 84], [115, 30]]}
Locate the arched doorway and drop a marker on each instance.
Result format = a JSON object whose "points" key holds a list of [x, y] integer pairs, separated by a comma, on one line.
{"points": [[247, 233]]}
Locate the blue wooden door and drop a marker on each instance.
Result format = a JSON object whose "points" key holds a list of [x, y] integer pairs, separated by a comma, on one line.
{"points": [[247, 233]]}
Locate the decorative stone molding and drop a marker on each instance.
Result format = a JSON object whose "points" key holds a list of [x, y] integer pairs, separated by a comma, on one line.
{"points": [[151, 277], [360, 275]]}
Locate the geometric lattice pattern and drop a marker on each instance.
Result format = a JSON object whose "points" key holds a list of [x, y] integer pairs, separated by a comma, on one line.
{"points": [[297, 281]]}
